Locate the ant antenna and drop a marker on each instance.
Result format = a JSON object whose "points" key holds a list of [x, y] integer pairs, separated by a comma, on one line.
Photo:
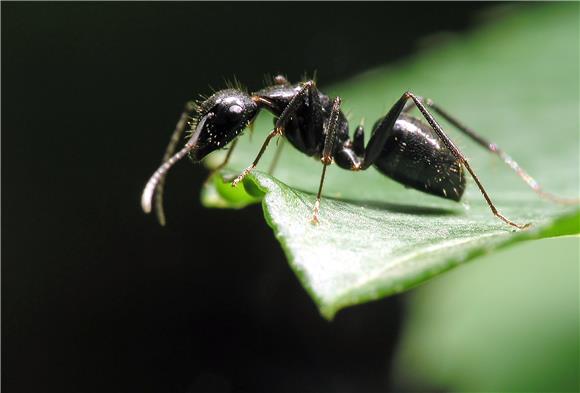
{"points": [[155, 184]]}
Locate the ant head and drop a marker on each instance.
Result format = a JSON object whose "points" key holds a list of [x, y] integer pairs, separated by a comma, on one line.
{"points": [[221, 118]]}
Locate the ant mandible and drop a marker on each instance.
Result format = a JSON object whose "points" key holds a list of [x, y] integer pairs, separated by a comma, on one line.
{"points": [[416, 154]]}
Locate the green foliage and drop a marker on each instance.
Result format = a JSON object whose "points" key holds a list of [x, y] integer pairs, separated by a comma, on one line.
{"points": [[514, 81], [506, 324]]}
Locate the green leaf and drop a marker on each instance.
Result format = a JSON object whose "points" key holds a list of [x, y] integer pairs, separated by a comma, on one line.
{"points": [[507, 324], [515, 81]]}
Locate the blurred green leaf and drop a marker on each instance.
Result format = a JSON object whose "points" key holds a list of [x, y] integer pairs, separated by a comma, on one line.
{"points": [[515, 81], [507, 324]]}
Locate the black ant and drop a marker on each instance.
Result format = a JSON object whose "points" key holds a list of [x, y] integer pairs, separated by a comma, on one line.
{"points": [[416, 154]]}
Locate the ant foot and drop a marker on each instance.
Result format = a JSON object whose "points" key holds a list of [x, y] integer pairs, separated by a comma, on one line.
{"points": [[510, 222], [521, 227], [315, 219], [526, 226]]}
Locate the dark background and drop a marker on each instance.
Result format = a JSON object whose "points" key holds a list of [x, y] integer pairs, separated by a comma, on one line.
{"points": [[96, 297]]}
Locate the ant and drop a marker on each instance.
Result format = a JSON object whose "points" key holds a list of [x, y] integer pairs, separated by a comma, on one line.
{"points": [[401, 146]]}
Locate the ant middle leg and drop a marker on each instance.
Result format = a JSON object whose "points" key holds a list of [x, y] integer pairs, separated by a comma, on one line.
{"points": [[327, 151], [493, 148], [287, 113]]}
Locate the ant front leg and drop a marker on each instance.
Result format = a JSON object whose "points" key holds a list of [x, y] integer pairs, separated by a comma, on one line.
{"points": [[327, 153], [288, 112]]}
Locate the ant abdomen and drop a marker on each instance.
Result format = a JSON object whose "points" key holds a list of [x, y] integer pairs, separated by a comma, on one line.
{"points": [[415, 157]]}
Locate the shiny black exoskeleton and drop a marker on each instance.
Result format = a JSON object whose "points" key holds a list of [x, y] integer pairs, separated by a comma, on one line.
{"points": [[416, 154], [410, 153]]}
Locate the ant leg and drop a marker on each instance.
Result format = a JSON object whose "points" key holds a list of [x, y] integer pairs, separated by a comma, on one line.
{"points": [[224, 162], [279, 127], [493, 148], [457, 153], [380, 135], [272, 134], [327, 153], [277, 155], [175, 137]]}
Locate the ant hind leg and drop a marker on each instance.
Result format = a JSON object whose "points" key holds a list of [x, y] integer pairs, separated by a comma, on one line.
{"points": [[457, 153], [493, 148], [379, 137]]}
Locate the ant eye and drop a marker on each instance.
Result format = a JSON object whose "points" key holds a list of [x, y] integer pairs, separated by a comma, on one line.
{"points": [[235, 110]]}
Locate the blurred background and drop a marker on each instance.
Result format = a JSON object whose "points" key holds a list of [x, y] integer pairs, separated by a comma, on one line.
{"points": [[96, 297]]}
